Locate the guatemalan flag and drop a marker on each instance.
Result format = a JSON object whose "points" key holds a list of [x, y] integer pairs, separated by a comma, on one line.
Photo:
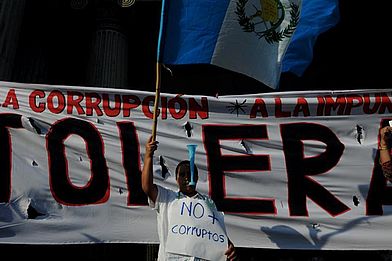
{"points": [[246, 36], [317, 16]]}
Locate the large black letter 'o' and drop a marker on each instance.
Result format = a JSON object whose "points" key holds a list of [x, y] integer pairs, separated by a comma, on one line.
{"points": [[97, 189]]}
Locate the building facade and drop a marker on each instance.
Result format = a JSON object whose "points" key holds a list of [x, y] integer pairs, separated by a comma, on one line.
{"points": [[79, 42]]}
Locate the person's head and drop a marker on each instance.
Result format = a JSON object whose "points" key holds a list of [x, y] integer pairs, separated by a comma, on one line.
{"points": [[183, 177]]}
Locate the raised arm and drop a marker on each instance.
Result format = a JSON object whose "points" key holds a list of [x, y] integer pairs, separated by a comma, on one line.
{"points": [[385, 156], [383, 147], [148, 185]]}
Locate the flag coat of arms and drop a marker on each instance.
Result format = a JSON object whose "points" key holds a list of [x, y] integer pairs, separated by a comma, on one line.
{"points": [[245, 36]]}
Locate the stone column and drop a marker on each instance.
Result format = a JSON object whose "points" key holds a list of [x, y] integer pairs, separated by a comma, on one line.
{"points": [[108, 62], [11, 17]]}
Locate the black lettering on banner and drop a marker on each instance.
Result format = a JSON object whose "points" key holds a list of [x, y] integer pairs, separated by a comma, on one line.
{"points": [[218, 164], [7, 120], [97, 189], [379, 193], [131, 163], [299, 168]]}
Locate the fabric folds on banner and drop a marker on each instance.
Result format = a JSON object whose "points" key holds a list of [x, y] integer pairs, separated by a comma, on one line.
{"points": [[317, 16], [245, 36]]}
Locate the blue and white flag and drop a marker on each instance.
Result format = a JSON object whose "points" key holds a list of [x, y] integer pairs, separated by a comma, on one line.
{"points": [[317, 16], [246, 36]]}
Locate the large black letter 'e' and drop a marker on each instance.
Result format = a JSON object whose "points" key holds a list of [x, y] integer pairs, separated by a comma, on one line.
{"points": [[299, 168], [218, 164], [7, 120], [97, 189]]}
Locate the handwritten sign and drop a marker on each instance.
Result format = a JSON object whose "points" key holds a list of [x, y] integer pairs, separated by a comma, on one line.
{"points": [[196, 229]]}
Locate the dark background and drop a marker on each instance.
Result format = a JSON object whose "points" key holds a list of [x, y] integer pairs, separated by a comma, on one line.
{"points": [[355, 54]]}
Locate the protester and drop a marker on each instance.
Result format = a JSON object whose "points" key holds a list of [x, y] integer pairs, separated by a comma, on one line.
{"points": [[160, 199], [384, 148]]}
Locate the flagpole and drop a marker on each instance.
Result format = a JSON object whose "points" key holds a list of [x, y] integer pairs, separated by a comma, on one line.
{"points": [[156, 102], [151, 248], [158, 67]]}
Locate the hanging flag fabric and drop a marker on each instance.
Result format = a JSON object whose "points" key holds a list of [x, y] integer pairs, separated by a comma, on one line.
{"points": [[245, 36], [317, 16]]}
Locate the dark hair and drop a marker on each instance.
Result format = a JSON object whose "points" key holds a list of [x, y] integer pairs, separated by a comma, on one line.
{"points": [[186, 165]]}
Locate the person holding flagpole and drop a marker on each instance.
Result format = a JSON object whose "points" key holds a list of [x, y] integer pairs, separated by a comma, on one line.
{"points": [[162, 200]]}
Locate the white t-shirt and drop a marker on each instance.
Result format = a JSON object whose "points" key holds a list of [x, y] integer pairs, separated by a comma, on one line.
{"points": [[162, 205]]}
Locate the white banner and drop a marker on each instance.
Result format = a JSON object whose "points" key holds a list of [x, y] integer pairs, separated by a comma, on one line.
{"points": [[294, 170]]}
